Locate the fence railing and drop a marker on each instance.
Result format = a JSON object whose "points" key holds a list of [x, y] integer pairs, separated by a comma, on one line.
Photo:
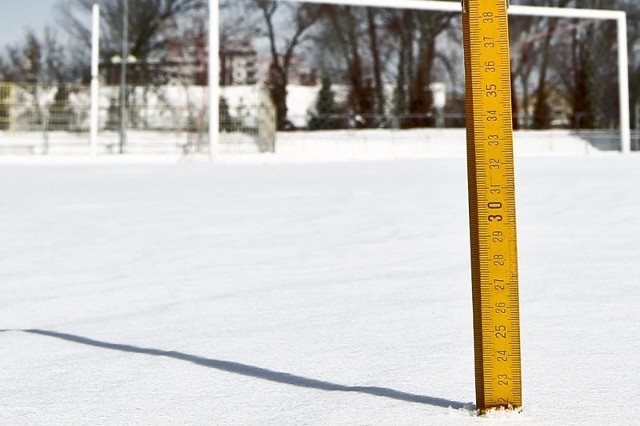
{"points": [[7, 100], [55, 120], [174, 120]]}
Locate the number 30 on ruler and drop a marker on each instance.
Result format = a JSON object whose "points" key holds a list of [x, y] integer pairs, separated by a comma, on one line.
{"points": [[494, 266]]}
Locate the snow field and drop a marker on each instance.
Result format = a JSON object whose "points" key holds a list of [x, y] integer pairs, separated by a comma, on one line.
{"points": [[322, 293]]}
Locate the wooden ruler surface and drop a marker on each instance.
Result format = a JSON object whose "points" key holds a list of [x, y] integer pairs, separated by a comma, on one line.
{"points": [[492, 212]]}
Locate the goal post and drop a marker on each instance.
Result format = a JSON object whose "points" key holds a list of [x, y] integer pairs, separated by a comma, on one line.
{"points": [[623, 54], [443, 6]]}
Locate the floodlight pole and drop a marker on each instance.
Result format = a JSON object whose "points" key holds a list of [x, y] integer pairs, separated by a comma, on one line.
{"points": [[214, 83], [123, 74], [95, 56]]}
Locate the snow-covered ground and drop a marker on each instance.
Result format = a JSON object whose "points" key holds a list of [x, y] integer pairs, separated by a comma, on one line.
{"points": [[316, 293], [351, 144]]}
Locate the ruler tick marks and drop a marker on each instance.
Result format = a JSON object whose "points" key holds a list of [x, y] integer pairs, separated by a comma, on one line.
{"points": [[492, 205]]}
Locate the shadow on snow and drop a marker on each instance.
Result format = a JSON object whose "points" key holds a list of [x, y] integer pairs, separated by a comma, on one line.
{"points": [[258, 372]]}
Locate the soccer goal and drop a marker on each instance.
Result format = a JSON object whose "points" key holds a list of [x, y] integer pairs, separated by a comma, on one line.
{"points": [[379, 67]]}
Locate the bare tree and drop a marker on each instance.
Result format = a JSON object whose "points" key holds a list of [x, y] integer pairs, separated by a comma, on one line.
{"points": [[282, 47], [571, 59], [372, 26], [417, 33], [238, 21], [38, 60], [525, 34], [428, 26], [151, 22], [346, 26]]}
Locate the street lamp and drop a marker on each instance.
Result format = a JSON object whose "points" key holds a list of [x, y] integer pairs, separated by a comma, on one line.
{"points": [[117, 59]]}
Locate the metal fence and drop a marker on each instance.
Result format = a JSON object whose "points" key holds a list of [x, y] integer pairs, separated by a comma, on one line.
{"points": [[159, 120], [7, 99], [174, 120]]}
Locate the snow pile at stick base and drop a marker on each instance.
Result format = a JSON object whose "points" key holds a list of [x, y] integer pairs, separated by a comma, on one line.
{"points": [[335, 293]]}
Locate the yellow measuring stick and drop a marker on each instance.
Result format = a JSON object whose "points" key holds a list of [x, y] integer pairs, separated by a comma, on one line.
{"points": [[494, 265]]}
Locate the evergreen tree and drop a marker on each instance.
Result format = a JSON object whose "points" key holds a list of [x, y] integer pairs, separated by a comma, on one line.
{"points": [[325, 106], [224, 116], [60, 114]]}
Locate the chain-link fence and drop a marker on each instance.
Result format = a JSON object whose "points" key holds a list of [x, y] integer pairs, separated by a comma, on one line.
{"points": [[7, 99], [174, 120], [158, 120]]}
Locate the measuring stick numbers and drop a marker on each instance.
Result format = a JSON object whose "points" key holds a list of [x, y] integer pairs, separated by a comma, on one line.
{"points": [[492, 216]]}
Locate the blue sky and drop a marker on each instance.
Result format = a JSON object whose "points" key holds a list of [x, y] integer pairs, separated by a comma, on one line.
{"points": [[18, 15]]}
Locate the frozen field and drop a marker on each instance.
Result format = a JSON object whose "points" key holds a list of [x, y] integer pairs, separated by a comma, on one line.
{"points": [[320, 294]]}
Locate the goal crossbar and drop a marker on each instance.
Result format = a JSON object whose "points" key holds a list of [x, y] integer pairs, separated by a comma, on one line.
{"points": [[450, 6], [455, 6]]}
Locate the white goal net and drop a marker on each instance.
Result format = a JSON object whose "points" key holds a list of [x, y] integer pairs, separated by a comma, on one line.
{"points": [[357, 71]]}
